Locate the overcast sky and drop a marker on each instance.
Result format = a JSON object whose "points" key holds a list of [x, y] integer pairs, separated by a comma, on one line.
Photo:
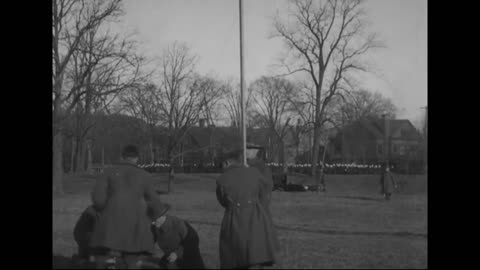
{"points": [[210, 28]]}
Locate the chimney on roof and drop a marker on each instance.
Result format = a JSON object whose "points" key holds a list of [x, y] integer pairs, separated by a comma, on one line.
{"points": [[202, 122]]}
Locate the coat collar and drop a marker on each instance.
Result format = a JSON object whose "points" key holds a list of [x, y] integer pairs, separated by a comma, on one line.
{"points": [[235, 166], [167, 225]]}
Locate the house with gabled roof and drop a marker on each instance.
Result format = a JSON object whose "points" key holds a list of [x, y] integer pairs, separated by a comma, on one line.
{"points": [[363, 141]]}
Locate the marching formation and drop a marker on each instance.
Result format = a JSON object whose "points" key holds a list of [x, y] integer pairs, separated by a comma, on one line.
{"points": [[333, 168]]}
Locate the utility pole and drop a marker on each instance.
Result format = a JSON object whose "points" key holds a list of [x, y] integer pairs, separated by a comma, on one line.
{"points": [[242, 87]]}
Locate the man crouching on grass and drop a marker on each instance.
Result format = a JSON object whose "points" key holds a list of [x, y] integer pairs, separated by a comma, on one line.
{"points": [[82, 234], [178, 240]]}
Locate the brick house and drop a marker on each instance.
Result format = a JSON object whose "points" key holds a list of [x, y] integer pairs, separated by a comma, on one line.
{"points": [[364, 141]]}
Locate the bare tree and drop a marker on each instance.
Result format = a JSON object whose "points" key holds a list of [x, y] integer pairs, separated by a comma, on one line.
{"points": [[71, 21], [272, 105], [102, 67], [232, 103], [326, 41], [362, 104], [181, 97], [141, 101], [212, 92]]}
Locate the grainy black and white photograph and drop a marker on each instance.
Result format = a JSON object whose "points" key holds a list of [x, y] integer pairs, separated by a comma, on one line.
{"points": [[239, 134]]}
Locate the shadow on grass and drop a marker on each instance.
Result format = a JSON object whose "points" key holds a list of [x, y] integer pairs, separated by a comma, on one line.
{"points": [[62, 262], [361, 198], [161, 192]]}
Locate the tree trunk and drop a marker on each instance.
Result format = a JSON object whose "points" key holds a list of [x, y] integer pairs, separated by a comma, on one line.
{"points": [[152, 153], [171, 176], [57, 163], [89, 156], [297, 152], [364, 155], [80, 156], [316, 150], [322, 172], [103, 158], [57, 170], [283, 157], [72, 156], [310, 146]]}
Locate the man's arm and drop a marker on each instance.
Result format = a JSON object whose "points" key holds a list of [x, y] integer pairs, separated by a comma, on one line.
{"points": [[220, 195], [151, 197], [183, 233]]}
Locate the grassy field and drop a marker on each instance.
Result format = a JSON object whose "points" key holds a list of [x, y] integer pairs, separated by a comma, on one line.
{"points": [[349, 226]]}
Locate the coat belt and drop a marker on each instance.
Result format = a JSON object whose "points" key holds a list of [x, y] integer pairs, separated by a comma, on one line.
{"points": [[238, 204]]}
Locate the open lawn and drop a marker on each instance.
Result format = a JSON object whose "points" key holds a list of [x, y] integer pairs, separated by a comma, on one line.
{"points": [[349, 226]]}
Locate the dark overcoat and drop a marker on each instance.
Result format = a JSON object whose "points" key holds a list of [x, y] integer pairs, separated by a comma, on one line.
{"points": [[82, 232], [267, 190], [122, 194], [267, 178], [387, 182], [177, 235], [247, 234]]}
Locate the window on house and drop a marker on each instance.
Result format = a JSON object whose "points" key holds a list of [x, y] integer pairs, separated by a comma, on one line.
{"points": [[402, 150], [338, 148], [395, 148], [380, 149]]}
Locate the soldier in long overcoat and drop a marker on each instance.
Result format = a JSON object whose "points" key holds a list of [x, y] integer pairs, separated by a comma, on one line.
{"points": [[247, 237], [121, 195], [387, 182], [82, 232], [256, 160]]}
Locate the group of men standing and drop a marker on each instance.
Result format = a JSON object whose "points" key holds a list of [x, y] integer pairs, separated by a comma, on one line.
{"points": [[127, 218]]}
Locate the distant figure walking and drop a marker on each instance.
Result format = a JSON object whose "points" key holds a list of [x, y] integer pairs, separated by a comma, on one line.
{"points": [[121, 195], [387, 182], [247, 238]]}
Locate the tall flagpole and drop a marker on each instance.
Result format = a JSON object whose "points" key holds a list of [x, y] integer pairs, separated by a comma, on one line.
{"points": [[242, 87]]}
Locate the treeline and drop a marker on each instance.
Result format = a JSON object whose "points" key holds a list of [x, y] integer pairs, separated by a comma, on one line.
{"points": [[106, 94]]}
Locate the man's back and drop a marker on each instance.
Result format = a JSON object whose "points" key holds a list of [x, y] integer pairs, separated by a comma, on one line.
{"points": [[121, 194], [239, 183], [247, 234]]}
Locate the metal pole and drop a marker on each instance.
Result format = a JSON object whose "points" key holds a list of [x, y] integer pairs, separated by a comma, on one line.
{"points": [[242, 87]]}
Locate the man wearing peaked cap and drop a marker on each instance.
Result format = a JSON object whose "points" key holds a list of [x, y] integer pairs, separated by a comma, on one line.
{"points": [[122, 194]]}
